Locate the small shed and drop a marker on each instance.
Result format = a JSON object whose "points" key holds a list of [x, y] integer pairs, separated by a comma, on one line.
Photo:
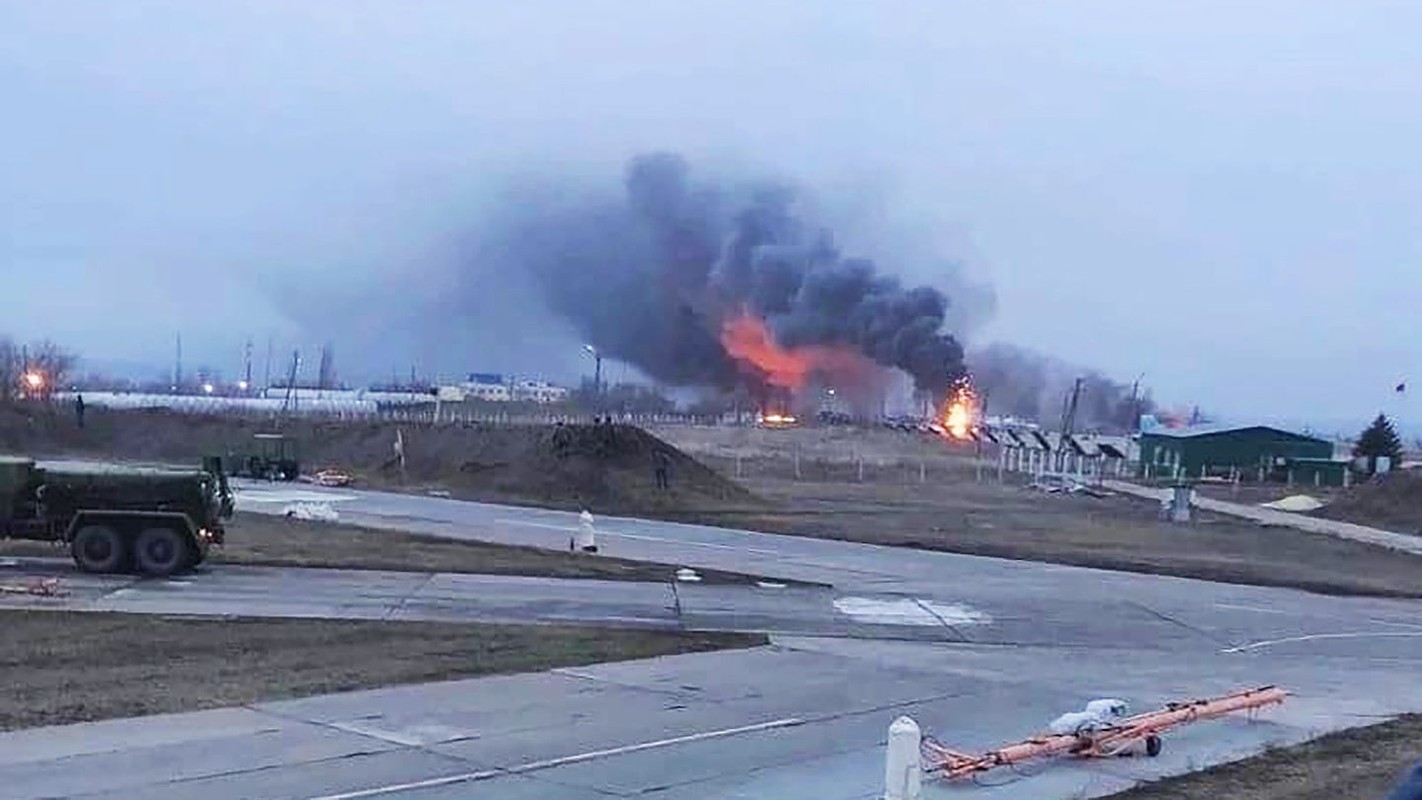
{"points": [[1316, 472], [1254, 451]]}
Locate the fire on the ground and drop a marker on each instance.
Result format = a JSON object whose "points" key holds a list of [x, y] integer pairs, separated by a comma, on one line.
{"points": [[958, 418]]}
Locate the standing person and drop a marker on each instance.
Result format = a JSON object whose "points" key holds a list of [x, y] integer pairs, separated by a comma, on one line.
{"points": [[79, 409], [661, 466]]}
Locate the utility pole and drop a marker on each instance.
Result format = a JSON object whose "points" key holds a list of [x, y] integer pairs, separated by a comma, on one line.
{"points": [[1133, 425], [267, 376], [1069, 414], [327, 374], [178, 367], [597, 376], [289, 404], [247, 366], [1068, 422]]}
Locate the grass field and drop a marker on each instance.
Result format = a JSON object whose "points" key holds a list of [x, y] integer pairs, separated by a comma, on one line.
{"points": [[264, 540], [71, 667], [887, 487], [1359, 764]]}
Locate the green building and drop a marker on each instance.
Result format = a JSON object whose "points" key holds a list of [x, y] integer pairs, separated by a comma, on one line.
{"points": [[1255, 452]]}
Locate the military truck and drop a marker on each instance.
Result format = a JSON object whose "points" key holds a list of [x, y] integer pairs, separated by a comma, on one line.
{"points": [[117, 519], [274, 457]]}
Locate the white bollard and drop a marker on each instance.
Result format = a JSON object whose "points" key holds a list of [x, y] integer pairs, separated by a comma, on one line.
{"points": [[586, 537], [903, 769]]}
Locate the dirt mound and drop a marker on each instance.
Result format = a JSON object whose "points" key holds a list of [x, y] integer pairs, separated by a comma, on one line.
{"points": [[610, 469], [1392, 501]]}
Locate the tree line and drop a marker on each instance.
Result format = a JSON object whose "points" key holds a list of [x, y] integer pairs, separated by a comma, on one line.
{"points": [[33, 371]]}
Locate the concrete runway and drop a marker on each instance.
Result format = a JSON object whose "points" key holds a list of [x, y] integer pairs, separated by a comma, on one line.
{"points": [[979, 651]]}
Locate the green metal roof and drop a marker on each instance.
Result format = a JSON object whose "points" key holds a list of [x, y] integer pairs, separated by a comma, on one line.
{"points": [[1198, 431]]}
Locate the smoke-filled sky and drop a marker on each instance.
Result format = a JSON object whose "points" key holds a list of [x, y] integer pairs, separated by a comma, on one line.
{"points": [[1223, 196]]}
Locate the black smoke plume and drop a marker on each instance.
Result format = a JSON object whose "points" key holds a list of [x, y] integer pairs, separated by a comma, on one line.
{"points": [[1030, 386], [649, 275]]}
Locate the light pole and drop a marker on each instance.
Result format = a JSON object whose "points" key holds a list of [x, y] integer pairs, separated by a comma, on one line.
{"points": [[597, 376]]}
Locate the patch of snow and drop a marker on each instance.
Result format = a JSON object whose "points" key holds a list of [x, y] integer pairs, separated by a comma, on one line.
{"points": [[908, 611], [319, 512], [1296, 503]]}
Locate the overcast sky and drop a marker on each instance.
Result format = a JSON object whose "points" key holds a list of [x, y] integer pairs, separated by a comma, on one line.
{"points": [[1224, 196]]}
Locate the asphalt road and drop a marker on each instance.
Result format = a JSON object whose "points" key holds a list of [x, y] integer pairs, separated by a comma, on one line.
{"points": [[979, 651]]}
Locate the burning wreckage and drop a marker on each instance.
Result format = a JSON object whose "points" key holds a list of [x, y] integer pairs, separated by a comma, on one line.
{"points": [[726, 287]]}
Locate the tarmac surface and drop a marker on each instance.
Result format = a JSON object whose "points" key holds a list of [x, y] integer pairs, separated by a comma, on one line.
{"points": [[979, 651]]}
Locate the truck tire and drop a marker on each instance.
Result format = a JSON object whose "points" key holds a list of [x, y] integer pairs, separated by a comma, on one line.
{"points": [[99, 548], [161, 551]]}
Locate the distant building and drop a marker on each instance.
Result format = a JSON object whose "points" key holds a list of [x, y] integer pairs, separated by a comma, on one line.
{"points": [[497, 393], [451, 394], [492, 387], [1253, 452], [539, 392], [489, 387]]}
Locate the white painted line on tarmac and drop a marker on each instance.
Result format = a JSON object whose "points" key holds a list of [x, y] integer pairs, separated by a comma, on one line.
{"points": [[531, 524], [1409, 625], [1251, 608], [637, 536], [535, 766], [290, 496], [756, 550], [1322, 636]]}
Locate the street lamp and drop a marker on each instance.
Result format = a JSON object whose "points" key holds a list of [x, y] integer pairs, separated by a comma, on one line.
{"points": [[34, 380], [597, 368], [597, 375]]}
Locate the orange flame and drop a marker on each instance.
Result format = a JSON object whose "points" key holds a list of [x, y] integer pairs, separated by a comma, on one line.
{"points": [[960, 411], [748, 340]]}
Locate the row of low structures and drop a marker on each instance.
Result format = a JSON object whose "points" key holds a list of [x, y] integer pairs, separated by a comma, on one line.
{"points": [[495, 388], [1243, 453]]}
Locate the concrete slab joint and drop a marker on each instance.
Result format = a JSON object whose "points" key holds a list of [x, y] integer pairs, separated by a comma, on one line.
{"points": [[903, 766]]}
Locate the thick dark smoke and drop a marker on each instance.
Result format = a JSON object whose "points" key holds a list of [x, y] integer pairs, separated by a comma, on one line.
{"points": [[648, 277], [1030, 386]]}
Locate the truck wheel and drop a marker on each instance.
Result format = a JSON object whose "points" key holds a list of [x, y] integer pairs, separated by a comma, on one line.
{"points": [[161, 551], [98, 548], [1153, 745]]}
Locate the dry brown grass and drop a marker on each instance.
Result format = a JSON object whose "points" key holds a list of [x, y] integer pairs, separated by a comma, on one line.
{"points": [[576, 466], [63, 667], [1359, 764], [1392, 502], [258, 539], [262, 540], [1119, 533]]}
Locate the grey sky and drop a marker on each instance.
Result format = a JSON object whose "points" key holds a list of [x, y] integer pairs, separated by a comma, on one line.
{"points": [[1222, 195]]}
